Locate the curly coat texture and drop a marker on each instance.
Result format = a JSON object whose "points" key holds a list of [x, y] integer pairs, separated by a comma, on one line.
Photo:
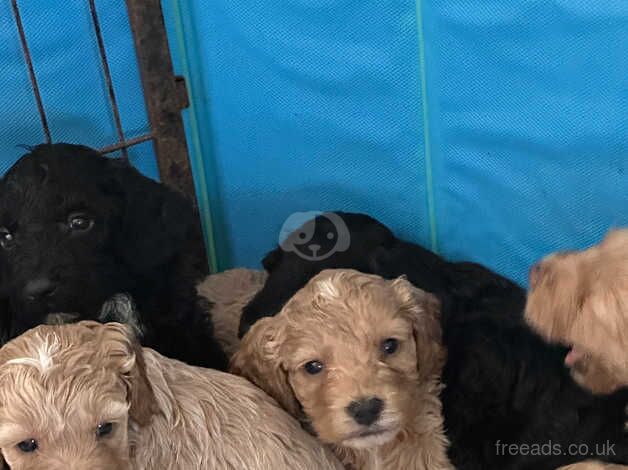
{"points": [[502, 380], [228, 292], [61, 382], [341, 318], [77, 228], [594, 466], [581, 299]]}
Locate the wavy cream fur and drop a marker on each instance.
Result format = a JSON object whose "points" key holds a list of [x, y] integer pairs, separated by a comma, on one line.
{"points": [[167, 415], [581, 299]]}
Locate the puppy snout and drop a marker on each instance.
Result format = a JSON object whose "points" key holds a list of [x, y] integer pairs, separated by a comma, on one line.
{"points": [[535, 274], [38, 289], [314, 247], [366, 411]]}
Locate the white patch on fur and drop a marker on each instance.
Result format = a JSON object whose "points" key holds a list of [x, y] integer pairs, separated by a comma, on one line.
{"points": [[121, 308], [60, 318], [114, 410], [371, 441], [327, 289], [44, 352]]}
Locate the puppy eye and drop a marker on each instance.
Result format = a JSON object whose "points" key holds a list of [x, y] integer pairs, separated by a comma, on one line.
{"points": [[104, 429], [390, 346], [6, 238], [29, 445], [80, 222], [313, 367]]}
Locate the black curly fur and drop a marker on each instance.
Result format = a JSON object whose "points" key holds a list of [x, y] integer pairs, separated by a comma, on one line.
{"points": [[144, 241], [504, 384]]}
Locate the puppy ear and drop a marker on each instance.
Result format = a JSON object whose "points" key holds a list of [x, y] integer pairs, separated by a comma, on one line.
{"points": [[156, 220], [258, 360], [424, 311], [122, 347]]}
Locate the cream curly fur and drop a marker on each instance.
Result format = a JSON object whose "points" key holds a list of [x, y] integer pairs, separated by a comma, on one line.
{"points": [[594, 466], [60, 382], [581, 299]]}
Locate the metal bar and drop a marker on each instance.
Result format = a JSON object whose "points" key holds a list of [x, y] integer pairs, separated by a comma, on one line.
{"points": [[163, 102], [31, 71], [105, 67], [126, 144]]}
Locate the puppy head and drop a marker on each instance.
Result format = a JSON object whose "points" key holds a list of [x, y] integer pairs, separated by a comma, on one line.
{"points": [[347, 353], [76, 227], [581, 299], [68, 395], [340, 240]]}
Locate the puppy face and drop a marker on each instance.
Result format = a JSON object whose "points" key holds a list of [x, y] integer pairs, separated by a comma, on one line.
{"points": [[581, 299], [67, 397], [347, 354], [71, 229]]}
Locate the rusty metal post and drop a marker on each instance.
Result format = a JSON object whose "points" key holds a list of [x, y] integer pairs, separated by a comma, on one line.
{"points": [[163, 94]]}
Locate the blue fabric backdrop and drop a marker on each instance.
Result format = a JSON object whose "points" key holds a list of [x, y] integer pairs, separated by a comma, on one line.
{"points": [[488, 130], [66, 61]]}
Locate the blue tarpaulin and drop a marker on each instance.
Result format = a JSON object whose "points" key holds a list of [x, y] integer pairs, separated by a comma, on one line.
{"points": [[487, 130]]}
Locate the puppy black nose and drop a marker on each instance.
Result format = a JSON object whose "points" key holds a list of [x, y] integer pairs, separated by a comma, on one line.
{"points": [[366, 410], [39, 288]]}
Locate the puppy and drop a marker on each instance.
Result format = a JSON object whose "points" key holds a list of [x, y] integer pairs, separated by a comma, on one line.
{"points": [[358, 360], [87, 396], [581, 299], [76, 228], [228, 292], [374, 249], [291, 267], [504, 383]]}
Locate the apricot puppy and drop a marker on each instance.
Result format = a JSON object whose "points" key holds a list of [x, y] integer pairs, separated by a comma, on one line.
{"points": [[358, 360], [581, 299]]}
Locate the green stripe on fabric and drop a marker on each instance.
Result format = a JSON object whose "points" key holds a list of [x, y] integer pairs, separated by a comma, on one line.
{"points": [[196, 151], [429, 179]]}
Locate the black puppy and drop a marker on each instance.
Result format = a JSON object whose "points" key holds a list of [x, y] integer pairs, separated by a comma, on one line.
{"points": [[292, 266], [504, 384], [77, 228], [373, 249], [463, 288]]}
